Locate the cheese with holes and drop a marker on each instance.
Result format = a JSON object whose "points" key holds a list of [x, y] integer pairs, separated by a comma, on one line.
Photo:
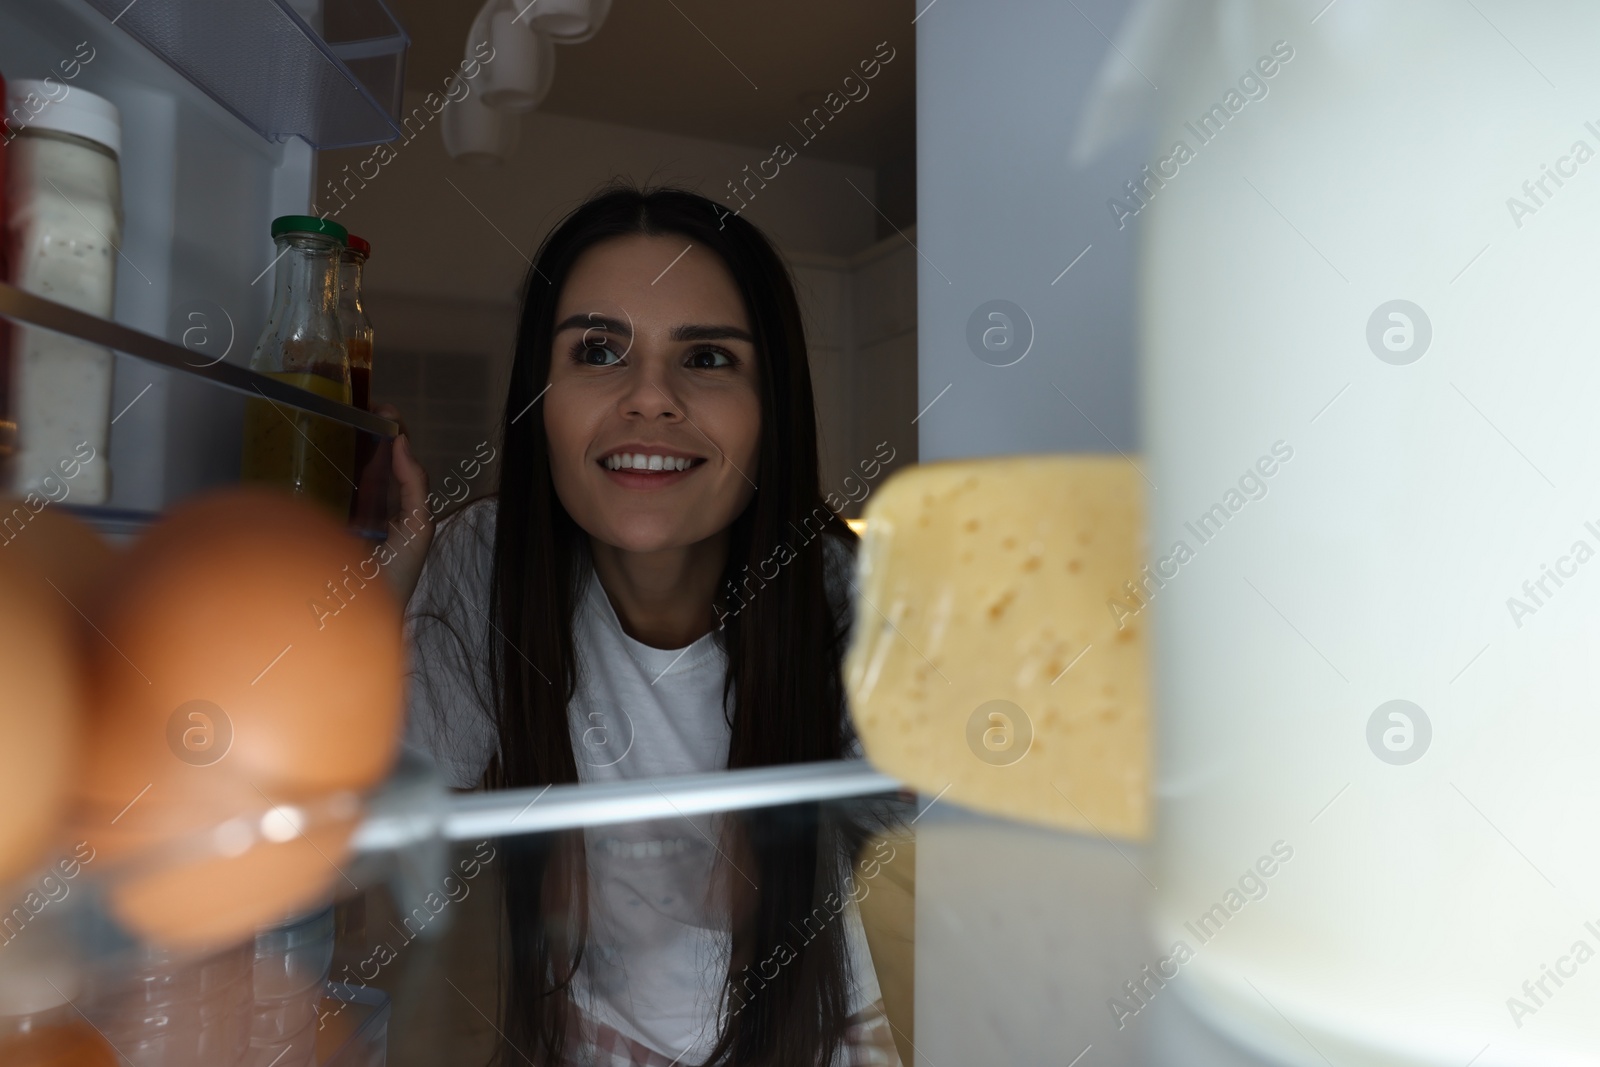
{"points": [[994, 657]]}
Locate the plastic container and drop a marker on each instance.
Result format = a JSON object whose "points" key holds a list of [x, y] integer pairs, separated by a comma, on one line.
{"points": [[63, 192], [289, 979], [303, 345], [357, 1034], [53, 1038], [182, 1013], [38, 984]]}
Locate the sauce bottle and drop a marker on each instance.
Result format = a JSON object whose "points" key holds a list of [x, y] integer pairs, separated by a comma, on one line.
{"points": [[369, 511], [303, 345], [353, 320]]}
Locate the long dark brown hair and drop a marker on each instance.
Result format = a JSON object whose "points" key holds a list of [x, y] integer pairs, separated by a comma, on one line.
{"points": [[783, 692]]}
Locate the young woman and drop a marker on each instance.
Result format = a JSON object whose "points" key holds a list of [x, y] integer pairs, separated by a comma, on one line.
{"points": [[658, 588]]}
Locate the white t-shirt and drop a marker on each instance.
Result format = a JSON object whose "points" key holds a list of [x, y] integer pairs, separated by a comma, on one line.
{"points": [[658, 945]]}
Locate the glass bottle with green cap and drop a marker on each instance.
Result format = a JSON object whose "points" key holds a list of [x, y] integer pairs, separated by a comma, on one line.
{"points": [[303, 346]]}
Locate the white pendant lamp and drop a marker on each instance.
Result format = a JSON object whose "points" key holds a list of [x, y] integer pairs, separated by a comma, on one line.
{"points": [[564, 21], [523, 68], [477, 134]]}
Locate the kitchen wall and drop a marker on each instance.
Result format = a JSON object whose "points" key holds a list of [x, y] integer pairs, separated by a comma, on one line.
{"points": [[861, 319], [451, 245]]}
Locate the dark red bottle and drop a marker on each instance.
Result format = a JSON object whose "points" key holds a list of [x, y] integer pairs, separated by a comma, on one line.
{"points": [[369, 510]]}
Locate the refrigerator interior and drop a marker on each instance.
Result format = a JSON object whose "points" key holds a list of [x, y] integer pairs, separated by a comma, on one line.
{"points": [[199, 191]]}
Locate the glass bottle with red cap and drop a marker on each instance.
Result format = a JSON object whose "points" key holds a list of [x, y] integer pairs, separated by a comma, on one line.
{"points": [[369, 510], [353, 320]]}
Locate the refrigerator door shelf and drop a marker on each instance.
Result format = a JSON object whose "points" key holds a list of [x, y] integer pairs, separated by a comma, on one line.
{"points": [[19, 306], [336, 86]]}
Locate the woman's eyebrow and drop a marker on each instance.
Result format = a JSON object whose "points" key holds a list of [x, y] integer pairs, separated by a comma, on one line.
{"points": [[710, 333], [592, 320]]}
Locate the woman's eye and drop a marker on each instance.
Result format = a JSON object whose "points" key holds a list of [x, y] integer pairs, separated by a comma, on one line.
{"points": [[707, 358], [597, 355]]}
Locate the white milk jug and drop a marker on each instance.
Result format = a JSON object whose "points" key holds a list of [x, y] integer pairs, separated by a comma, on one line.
{"points": [[1370, 318]]}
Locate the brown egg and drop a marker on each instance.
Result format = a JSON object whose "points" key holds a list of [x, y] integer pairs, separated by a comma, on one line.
{"points": [[251, 656], [206, 903], [200, 858], [249, 632], [70, 1045], [180, 805], [53, 544], [40, 712]]}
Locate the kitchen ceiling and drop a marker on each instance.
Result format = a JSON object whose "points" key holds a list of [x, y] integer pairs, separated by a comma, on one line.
{"points": [[734, 71]]}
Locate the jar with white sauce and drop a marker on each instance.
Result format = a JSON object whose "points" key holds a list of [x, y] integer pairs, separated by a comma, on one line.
{"points": [[63, 192]]}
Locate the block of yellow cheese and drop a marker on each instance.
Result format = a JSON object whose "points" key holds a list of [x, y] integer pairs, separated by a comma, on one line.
{"points": [[986, 657]]}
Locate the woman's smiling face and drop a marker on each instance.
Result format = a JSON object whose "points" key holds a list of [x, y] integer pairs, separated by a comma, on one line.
{"points": [[653, 410]]}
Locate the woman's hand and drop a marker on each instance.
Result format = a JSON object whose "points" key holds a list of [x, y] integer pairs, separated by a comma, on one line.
{"points": [[411, 531]]}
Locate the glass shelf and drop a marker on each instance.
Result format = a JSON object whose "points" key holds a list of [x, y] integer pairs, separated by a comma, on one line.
{"points": [[23, 307], [336, 85], [414, 807], [988, 940]]}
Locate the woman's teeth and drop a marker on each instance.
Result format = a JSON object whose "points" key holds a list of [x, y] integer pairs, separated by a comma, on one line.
{"points": [[638, 461]]}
